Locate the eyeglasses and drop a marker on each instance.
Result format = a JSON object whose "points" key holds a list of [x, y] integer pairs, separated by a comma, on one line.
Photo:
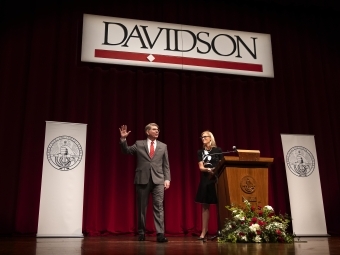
{"points": [[203, 137]]}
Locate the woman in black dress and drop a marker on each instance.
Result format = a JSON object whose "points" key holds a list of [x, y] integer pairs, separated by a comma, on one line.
{"points": [[208, 158]]}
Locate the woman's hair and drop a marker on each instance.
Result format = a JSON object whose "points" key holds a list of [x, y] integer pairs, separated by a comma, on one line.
{"points": [[212, 141]]}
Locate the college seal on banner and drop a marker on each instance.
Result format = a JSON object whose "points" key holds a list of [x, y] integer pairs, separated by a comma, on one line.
{"points": [[64, 153], [300, 161]]}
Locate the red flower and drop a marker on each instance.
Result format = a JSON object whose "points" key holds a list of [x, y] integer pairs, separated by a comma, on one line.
{"points": [[260, 213], [261, 223], [258, 232], [254, 220], [280, 239], [241, 234], [252, 208], [278, 232]]}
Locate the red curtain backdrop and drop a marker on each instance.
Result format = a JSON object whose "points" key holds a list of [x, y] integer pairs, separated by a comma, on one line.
{"points": [[42, 79]]}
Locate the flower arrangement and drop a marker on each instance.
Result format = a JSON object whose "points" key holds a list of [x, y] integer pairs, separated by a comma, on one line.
{"points": [[256, 225]]}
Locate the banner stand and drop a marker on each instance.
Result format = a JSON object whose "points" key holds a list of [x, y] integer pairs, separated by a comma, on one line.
{"points": [[62, 185], [305, 196]]}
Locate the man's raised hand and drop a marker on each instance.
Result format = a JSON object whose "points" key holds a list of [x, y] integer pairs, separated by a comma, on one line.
{"points": [[123, 131]]}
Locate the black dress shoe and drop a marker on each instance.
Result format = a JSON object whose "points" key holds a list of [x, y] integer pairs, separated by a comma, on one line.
{"points": [[161, 238], [141, 237]]}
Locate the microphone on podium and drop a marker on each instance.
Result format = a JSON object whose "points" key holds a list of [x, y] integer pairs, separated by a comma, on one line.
{"points": [[225, 152], [219, 153]]}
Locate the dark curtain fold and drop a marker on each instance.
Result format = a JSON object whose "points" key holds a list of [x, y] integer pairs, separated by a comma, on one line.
{"points": [[42, 79]]}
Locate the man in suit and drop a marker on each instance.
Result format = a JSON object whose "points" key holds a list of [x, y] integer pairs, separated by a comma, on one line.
{"points": [[152, 176]]}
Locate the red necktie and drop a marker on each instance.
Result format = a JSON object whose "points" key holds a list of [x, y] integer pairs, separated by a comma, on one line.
{"points": [[152, 149]]}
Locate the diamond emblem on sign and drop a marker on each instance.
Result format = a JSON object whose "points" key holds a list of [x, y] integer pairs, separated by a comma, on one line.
{"points": [[151, 58]]}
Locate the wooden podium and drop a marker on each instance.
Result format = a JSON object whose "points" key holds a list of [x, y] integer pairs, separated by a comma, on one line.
{"points": [[241, 177]]}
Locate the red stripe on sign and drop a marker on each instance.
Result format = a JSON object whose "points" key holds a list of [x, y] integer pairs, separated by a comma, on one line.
{"points": [[222, 64], [168, 59], [177, 60], [120, 55]]}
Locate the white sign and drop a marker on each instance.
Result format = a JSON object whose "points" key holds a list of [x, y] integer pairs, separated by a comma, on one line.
{"points": [[62, 186], [304, 187], [153, 44]]}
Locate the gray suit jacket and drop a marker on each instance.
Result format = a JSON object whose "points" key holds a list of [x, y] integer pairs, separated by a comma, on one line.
{"points": [[158, 165]]}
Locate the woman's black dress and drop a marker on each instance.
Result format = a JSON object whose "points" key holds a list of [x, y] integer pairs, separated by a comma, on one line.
{"points": [[206, 193]]}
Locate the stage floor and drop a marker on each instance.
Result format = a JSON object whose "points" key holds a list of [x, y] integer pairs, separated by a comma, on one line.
{"points": [[176, 245]]}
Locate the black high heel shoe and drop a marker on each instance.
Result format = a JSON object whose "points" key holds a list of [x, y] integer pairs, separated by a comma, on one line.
{"points": [[203, 238]]}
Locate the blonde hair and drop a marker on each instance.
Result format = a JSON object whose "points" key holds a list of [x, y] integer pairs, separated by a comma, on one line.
{"points": [[212, 140]]}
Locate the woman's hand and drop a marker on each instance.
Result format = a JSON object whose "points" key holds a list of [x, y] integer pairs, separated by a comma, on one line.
{"points": [[211, 171]]}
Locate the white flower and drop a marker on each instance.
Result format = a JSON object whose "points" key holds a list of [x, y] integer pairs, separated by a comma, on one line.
{"points": [[244, 238], [275, 225], [257, 239], [266, 238], [239, 216], [254, 227], [270, 226], [228, 227], [246, 202], [268, 208]]}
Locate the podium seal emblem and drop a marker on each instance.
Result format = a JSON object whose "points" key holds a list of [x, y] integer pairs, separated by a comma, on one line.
{"points": [[64, 153], [248, 184], [300, 161]]}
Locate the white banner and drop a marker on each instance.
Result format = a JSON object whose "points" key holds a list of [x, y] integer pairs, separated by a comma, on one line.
{"points": [[304, 187], [62, 186], [122, 41]]}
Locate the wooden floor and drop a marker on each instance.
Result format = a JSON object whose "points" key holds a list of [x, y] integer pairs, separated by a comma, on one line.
{"points": [[176, 245]]}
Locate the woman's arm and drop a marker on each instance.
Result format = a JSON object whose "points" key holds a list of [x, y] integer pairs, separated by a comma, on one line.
{"points": [[203, 168]]}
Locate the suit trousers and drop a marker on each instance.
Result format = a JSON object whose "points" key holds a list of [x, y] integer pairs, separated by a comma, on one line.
{"points": [[142, 198]]}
